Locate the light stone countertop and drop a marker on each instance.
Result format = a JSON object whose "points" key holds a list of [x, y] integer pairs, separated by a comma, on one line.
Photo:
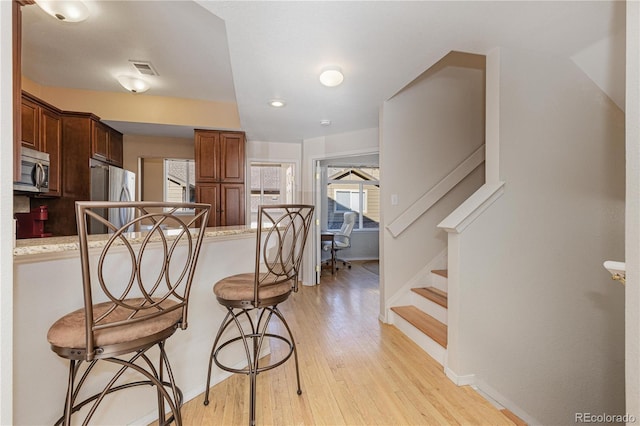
{"points": [[67, 245]]}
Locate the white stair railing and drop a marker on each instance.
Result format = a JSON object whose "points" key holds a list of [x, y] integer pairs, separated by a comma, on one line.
{"points": [[439, 190]]}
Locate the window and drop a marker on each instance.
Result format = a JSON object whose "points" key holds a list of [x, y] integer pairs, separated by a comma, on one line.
{"points": [[269, 183], [179, 181], [349, 200], [353, 188]]}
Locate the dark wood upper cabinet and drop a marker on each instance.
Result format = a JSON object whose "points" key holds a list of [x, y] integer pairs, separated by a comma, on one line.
{"points": [[41, 129], [51, 143], [106, 144], [99, 141], [116, 154], [30, 124], [207, 148], [232, 161]]}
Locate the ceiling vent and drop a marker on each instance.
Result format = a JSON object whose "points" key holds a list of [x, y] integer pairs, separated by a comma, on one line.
{"points": [[144, 68]]}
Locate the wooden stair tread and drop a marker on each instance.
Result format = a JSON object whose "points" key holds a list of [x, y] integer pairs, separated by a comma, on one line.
{"points": [[441, 272], [434, 294], [423, 322]]}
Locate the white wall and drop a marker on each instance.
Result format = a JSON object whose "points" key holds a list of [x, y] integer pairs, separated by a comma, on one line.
{"points": [[6, 215], [427, 130], [540, 320], [604, 73], [364, 246]]}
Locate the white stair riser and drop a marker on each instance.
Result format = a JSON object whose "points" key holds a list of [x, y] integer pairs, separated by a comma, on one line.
{"points": [[425, 342], [439, 282], [429, 307]]}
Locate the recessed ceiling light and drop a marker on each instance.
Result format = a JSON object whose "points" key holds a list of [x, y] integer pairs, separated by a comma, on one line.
{"points": [[331, 76], [325, 122], [277, 103]]}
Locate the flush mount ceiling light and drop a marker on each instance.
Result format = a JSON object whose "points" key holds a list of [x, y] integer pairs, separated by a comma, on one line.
{"points": [[331, 76], [133, 84], [277, 103], [65, 10], [325, 122]]}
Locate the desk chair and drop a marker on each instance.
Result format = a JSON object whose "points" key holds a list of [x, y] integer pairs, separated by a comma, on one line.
{"points": [[252, 298], [341, 240], [134, 299]]}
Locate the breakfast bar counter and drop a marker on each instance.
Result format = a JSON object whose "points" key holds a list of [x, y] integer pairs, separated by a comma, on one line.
{"points": [[48, 285], [29, 249]]}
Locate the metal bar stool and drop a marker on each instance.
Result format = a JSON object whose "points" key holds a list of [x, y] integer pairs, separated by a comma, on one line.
{"points": [[134, 299], [280, 241]]}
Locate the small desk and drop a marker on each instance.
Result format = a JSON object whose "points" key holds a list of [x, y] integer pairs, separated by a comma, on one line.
{"points": [[326, 236]]}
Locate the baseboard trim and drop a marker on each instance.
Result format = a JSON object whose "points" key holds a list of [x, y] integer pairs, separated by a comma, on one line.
{"points": [[492, 395], [465, 380]]}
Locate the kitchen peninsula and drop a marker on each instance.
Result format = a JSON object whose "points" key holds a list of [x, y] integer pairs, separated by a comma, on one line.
{"points": [[48, 284]]}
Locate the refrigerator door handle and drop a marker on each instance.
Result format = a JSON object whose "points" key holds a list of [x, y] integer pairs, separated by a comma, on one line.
{"points": [[125, 195], [125, 214]]}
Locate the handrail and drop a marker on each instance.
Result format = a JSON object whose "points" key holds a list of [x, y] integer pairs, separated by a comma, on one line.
{"points": [[472, 207], [439, 190]]}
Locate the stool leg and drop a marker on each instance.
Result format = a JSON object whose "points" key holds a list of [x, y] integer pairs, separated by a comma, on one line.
{"points": [[293, 344], [177, 393], [68, 404], [161, 417], [225, 323], [252, 397]]}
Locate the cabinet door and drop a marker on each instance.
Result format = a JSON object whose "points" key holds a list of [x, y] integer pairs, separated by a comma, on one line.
{"points": [[76, 147], [209, 193], [232, 160], [30, 117], [100, 141], [115, 148], [50, 142], [207, 151], [232, 204]]}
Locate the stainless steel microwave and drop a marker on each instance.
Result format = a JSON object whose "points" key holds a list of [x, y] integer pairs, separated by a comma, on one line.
{"points": [[34, 171]]}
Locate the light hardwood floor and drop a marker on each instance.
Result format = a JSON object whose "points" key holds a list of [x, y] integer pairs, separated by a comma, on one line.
{"points": [[354, 369]]}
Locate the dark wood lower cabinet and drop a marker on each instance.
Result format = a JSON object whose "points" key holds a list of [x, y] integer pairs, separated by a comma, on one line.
{"points": [[232, 200], [227, 202], [210, 194]]}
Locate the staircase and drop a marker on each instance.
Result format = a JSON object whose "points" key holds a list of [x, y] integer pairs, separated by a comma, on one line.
{"points": [[425, 320]]}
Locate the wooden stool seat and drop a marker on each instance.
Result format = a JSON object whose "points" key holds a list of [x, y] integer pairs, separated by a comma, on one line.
{"points": [[239, 289], [67, 335]]}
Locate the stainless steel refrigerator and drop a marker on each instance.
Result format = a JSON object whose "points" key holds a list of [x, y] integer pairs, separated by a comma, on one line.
{"points": [[110, 183]]}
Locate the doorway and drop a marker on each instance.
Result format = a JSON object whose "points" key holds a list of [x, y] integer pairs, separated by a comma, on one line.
{"points": [[348, 184]]}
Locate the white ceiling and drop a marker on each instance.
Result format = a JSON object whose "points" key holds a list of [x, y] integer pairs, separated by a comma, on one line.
{"points": [[251, 52]]}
